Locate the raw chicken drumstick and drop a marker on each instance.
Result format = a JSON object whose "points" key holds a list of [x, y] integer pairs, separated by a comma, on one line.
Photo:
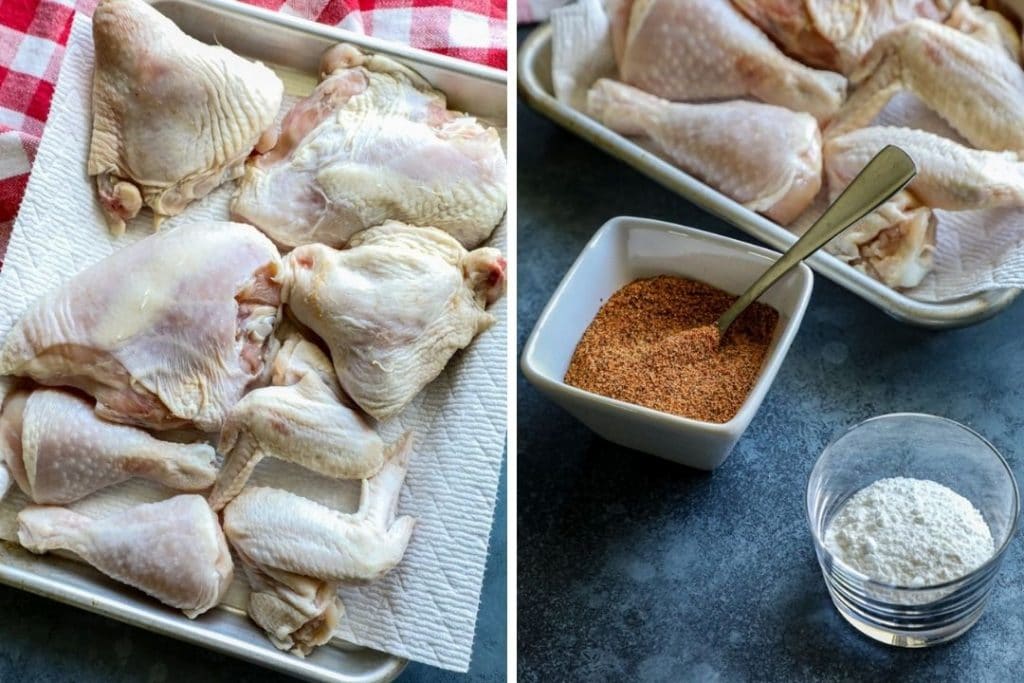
{"points": [[973, 85], [166, 332], [896, 242], [173, 118], [303, 419], [765, 157], [832, 34], [295, 552], [58, 450], [393, 307], [173, 550], [374, 142], [693, 50]]}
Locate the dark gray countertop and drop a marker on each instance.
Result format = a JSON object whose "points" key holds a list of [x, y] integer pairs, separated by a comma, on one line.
{"points": [[44, 641], [633, 568]]}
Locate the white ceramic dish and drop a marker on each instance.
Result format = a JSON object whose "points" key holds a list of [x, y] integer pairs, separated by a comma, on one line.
{"points": [[623, 250]]}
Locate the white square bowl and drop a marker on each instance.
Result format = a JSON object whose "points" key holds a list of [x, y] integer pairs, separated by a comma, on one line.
{"points": [[623, 250]]}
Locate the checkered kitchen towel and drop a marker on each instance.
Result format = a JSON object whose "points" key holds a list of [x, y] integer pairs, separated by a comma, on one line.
{"points": [[33, 34]]}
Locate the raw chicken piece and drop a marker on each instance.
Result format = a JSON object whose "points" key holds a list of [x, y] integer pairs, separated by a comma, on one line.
{"points": [[168, 331], [295, 552], [374, 142], [988, 26], [5, 480], [304, 420], [835, 35], [687, 50], [974, 86], [765, 157], [393, 308], [173, 118], [173, 550], [59, 451], [896, 242], [298, 613], [949, 175]]}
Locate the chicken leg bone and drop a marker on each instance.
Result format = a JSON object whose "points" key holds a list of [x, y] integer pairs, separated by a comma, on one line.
{"points": [[58, 450], [718, 142], [692, 50], [173, 118], [301, 420], [173, 550], [973, 86], [393, 307], [166, 332]]}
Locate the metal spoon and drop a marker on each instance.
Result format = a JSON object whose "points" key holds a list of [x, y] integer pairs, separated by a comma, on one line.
{"points": [[885, 175]]}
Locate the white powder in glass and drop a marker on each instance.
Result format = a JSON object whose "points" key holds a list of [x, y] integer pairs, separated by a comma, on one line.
{"points": [[909, 532]]}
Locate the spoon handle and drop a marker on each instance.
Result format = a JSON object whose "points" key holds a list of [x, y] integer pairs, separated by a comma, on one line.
{"points": [[885, 175]]}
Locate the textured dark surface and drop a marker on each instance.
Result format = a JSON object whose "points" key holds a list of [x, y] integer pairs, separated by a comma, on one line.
{"points": [[41, 640], [632, 568]]}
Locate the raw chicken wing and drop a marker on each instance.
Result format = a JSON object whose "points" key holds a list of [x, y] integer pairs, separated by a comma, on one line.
{"points": [[295, 552], [971, 84], [166, 332], [896, 243], [374, 142], [692, 50], [173, 118], [393, 308], [59, 451], [765, 157], [835, 34], [173, 550], [304, 419]]}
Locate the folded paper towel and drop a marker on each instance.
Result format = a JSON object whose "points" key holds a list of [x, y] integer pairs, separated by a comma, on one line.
{"points": [[426, 608], [976, 251]]}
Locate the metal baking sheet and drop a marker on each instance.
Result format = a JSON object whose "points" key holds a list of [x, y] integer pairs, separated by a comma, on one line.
{"points": [[536, 89], [292, 47]]}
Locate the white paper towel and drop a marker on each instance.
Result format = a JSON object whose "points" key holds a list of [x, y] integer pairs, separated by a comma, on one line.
{"points": [[426, 608], [975, 250]]}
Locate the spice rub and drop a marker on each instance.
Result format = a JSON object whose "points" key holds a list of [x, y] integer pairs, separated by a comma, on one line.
{"points": [[654, 343]]}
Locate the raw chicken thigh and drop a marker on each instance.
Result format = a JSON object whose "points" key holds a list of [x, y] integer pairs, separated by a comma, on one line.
{"points": [[971, 84], [717, 141], [691, 50], [295, 552], [304, 419], [393, 308], [173, 118], [166, 332], [374, 142], [173, 550], [59, 451], [832, 34]]}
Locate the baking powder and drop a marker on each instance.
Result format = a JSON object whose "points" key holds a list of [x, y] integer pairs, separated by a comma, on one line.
{"points": [[909, 532]]}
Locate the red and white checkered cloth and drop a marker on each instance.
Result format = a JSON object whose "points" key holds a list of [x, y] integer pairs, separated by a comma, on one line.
{"points": [[33, 34]]}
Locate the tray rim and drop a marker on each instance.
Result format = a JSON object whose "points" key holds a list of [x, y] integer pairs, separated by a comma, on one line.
{"points": [[19, 574], [942, 315]]}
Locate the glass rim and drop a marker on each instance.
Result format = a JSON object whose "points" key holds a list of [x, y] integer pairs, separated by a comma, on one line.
{"points": [[997, 554]]}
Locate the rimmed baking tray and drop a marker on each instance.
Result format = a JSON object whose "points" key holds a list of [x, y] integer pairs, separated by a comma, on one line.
{"points": [[292, 47], [536, 89]]}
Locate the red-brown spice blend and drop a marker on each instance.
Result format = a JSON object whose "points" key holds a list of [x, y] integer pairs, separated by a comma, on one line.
{"points": [[654, 343]]}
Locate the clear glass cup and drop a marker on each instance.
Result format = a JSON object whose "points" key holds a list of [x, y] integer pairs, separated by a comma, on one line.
{"points": [[922, 447]]}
